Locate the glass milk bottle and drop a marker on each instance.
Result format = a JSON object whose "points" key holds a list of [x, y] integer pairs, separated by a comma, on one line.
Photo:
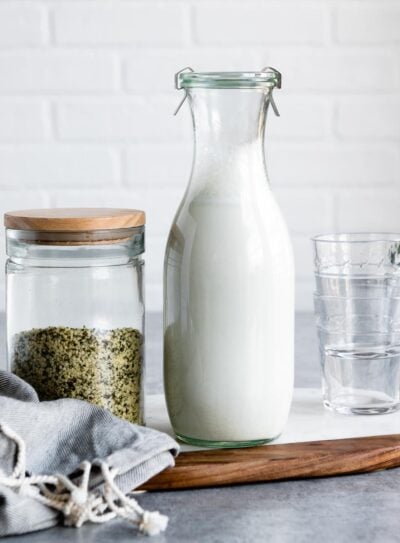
{"points": [[229, 274]]}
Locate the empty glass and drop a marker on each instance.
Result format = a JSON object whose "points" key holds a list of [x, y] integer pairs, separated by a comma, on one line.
{"points": [[357, 306]]}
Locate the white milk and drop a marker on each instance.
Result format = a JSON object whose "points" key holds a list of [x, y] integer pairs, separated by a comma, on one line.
{"points": [[229, 310]]}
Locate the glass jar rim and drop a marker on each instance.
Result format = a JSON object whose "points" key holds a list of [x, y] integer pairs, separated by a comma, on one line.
{"points": [[62, 238], [266, 78], [357, 237]]}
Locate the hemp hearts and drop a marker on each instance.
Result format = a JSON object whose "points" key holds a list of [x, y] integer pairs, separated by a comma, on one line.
{"points": [[100, 366]]}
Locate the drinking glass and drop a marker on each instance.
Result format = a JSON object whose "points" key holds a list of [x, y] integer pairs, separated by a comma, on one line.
{"points": [[357, 307]]}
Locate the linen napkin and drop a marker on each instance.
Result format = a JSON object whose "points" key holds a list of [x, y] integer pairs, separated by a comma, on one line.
{"points": [[67, 461]]}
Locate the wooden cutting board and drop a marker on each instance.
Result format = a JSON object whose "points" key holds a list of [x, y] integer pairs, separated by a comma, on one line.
{"points": [[315, 443], [277, 462]]}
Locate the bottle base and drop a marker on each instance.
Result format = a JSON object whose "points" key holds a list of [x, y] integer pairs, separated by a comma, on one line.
{"points": [[361, 409], [223, 444]]}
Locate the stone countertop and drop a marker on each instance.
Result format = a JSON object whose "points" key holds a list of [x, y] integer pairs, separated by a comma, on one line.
{"points": [[363, 508]]}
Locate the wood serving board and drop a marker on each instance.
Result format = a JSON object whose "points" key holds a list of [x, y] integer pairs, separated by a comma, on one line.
{"points": [[220, 467]]}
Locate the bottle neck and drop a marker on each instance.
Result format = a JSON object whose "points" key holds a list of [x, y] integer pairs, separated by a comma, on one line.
{"points": [[229, 135]]}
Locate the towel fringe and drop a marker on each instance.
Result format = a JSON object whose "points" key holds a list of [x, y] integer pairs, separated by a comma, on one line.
{"points": [[75, 500]]}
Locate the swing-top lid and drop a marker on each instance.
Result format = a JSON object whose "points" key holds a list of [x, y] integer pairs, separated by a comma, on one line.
{"points": [[265, 78]]}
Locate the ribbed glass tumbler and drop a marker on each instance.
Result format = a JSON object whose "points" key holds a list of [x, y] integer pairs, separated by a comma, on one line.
{"points": [[357, 307]]}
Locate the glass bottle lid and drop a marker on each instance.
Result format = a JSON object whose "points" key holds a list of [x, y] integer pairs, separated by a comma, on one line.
{"points": [[266, 78]]}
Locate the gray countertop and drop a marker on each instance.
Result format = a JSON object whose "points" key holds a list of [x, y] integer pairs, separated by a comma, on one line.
{"points": [[363, 508]]}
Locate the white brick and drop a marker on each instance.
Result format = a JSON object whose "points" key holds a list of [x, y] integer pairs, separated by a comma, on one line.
{"points": [[10, 200], [306, 211], [21, 24], [332, 166], [156, 69], [301, 118], [95, 197], [369, 210], [119, 23], [22, 121], [369, 24], [137, 119], [375, 118], [159, 165], [332, 71], [56, 72], [255, 23], [52, 165]]}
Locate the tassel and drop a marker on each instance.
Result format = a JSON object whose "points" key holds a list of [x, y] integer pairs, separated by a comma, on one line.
{"points": [[153, 523]]}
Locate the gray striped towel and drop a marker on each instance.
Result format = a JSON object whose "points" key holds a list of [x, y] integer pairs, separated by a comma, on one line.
{"points": [[70, 461]]}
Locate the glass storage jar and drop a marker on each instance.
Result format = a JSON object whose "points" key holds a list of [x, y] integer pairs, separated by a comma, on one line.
{"points": [[75, 308]]}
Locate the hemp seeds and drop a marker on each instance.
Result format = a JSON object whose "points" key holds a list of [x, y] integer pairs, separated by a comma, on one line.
{"points": [[100, 366]]}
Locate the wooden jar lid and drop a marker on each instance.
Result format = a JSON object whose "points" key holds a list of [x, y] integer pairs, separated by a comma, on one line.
{"points": [[74, 219]]}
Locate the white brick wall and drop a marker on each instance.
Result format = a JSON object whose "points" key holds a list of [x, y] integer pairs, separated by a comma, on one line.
{"points": [[54, 71], [257, 23], [22, 25], [86, 103], [120, 23]]}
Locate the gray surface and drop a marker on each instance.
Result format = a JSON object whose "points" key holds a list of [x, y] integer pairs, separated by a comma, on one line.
{"points": [[363, 508]]}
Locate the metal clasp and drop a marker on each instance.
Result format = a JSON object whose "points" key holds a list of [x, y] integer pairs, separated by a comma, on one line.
{"points": [[178, 86], [266, 69], [278, 75]]}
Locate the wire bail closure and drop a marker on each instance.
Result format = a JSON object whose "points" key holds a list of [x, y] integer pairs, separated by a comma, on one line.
{"points": [[269, 69], [178, 86], [266, 69]]}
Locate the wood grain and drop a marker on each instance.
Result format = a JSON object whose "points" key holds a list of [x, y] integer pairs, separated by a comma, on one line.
{"points": [[73, 219], [277, 462]]}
